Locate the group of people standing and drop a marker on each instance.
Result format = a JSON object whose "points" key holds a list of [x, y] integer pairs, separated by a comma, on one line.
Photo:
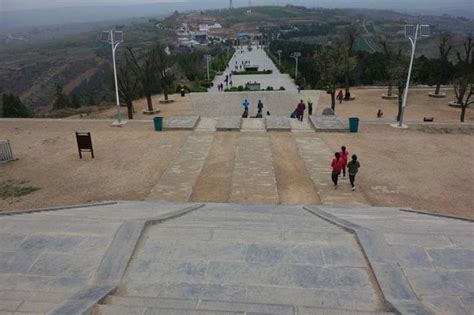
{"points": [[298, 113], [227, 81], [246, 106], [340, 164]]}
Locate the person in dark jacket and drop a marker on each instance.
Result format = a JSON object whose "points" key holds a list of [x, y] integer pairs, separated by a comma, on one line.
{"points": [[353, 167], [300, 110]]}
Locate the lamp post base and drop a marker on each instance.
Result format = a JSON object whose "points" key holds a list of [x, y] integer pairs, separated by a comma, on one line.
{"points": [[397, 125], [119, 124]]}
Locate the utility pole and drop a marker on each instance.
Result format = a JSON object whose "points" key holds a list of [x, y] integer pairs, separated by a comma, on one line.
{"points": [[412, 32], [296, 56], [279, 51], [114, 38]]}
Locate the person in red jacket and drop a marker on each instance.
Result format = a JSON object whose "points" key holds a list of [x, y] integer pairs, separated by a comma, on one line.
{"points": [[340, 96], [345, 156], [337, 165]]}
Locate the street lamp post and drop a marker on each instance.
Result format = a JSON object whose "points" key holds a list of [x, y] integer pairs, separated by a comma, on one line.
{"points": [[208, 59], [114, 38], [295, 56], [412, 32], [279, 51]]}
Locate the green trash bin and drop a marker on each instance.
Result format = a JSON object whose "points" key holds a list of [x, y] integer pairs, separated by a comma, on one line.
{"points": [[158, 122], [353, 124]]}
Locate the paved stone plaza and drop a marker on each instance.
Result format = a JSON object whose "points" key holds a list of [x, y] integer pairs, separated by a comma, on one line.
{"points": [[189, 258], [260, 58]]}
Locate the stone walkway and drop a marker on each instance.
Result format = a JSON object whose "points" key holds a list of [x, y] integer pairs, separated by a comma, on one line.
{"points": [[177, 182], [253, 179], [317, 157], [260, 58], [182, 258]]}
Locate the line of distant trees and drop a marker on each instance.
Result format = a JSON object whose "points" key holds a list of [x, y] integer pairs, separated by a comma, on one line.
{"points": [[339, 66]]}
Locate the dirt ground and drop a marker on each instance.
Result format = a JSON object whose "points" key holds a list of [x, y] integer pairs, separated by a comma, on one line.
{"points": [[128, 161], [181, 106], [419, 105]]}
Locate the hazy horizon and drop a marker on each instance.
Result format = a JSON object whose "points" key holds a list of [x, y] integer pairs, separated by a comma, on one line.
{"points": [[428, 5]]}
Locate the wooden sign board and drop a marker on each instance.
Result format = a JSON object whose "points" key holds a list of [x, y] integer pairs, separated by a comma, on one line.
{"points": [[84, 143]]}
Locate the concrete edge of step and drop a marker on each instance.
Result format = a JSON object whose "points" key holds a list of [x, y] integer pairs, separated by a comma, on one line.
{"points": [[85, 205], [114, 264], [396, 291]]}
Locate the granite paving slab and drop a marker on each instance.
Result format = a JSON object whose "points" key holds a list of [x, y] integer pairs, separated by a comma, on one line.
{"points": [[278, 123], [180, 122], [328, 124], [228, 123]]}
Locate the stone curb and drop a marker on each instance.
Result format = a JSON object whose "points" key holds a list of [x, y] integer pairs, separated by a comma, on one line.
{"points": [[86, 205], [441, 215], [395, 288], [114, 264]]}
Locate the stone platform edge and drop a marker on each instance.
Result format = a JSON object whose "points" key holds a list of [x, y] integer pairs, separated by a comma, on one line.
{"points": [[393, 285], [114, 264], [86, 205]]}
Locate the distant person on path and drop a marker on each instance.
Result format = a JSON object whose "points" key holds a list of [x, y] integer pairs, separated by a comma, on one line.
{"points": [[379, 113], [340, 96], [246, 104], [310, 106], [353, 167], [300, 110], [337, 164], [260, 106], [344, 156]]}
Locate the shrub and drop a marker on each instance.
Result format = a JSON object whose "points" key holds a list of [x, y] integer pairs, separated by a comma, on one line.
{"points": [[269, 88], [282, 88], [240, 88]]}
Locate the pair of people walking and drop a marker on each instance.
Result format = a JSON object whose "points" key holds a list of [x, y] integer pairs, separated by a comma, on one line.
{"points": [[340, 163]]}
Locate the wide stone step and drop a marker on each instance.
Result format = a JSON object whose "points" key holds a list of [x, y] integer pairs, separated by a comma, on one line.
{"points": [[138, 310], [195, 304], [145, 305]]}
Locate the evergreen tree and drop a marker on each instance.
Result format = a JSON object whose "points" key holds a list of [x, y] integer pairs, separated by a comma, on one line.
{"points": [[13, 107], [76, 101]]}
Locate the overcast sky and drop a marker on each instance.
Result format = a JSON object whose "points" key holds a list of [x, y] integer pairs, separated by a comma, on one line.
{"points": [[7, 5]]}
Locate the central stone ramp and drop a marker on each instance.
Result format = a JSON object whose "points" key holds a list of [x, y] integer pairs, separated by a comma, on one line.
{"points": [[253, 178], [176, 184], [317, 157], [231, 259]]}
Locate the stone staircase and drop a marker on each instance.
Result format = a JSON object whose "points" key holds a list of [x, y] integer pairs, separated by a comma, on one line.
{"points": [[22, 302], [119, 305]]}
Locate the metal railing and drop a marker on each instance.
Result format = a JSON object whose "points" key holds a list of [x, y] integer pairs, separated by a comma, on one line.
{"points": [[6, 153]]}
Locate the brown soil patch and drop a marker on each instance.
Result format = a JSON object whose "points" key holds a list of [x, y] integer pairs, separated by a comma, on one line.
{"points": [[294, 184], [128, 163], [419, 105], [214, 182], [409, 168]]}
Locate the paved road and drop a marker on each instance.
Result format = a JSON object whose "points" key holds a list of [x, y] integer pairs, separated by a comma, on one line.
{"points": [[260, 58]]}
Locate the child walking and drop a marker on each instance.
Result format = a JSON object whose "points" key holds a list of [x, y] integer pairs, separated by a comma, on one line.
{"points": [[337, 164], [353, 168]]}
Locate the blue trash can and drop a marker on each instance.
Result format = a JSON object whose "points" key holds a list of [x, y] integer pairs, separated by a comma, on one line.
{"points": [[353, 124], [158, 122]]}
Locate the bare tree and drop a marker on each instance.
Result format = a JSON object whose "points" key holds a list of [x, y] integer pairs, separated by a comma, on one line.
{"points": [[444, 46], [330, 69], [398, 72], [464, 79], [351, 35], [146, 72], [390, 57], [163, 65], [128, 84]]}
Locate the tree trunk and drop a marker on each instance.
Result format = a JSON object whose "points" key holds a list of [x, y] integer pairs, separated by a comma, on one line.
{"points": [[130, 109], [165, 91], [438, 86], [347, 88], [149, 102], [390, 89], [463, 112], [333, 100], [400, 104]]}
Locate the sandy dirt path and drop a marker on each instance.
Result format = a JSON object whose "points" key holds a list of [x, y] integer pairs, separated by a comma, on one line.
{"points": [[214, 182], [294, 184]]}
